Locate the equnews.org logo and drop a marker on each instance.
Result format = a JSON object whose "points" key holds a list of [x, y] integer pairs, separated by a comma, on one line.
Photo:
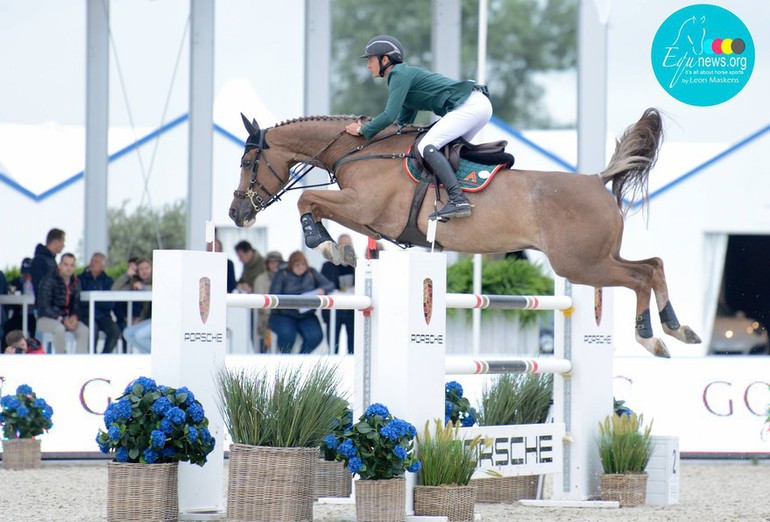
{"points": [[703, 55]]}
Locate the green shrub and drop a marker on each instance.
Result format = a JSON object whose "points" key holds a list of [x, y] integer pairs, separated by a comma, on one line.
{"points": [[502, 277], [286, 411], [446, 459], [625, 445], [516, 399]]}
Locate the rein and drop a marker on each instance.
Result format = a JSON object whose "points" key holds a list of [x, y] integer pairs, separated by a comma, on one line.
{"points": [[295, 176]]}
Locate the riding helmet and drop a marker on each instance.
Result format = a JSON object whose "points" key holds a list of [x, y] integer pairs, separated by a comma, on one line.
{"points": [[384, 45]]}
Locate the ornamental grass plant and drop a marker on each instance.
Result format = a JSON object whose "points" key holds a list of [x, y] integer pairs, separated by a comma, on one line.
{"points": [[516, 399], [446, 459], [24, 415], [293, 408], [625, 444]]}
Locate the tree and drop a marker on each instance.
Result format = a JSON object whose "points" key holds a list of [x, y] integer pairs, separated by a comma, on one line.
{"points": [[146, 229], [525, 38]]}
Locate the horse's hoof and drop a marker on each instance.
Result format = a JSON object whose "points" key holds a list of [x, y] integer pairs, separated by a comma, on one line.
{"points": [[330, 251], [348, 255], [655, 346], [684, 333]]}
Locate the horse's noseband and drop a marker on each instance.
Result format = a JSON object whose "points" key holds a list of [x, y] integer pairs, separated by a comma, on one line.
{"points": [[256, 142]]}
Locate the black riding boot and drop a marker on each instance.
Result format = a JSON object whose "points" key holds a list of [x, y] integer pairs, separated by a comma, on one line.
{"points": [[458, 205]]}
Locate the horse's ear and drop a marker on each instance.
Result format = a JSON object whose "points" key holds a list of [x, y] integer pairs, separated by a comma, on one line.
{"points": [[251, 128]]}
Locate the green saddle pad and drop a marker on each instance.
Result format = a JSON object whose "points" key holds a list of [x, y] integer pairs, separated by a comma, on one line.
{"points": [[472, 176]]}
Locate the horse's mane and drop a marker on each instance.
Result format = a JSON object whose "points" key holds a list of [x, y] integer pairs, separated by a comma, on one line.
{"points": [[301, 119]]}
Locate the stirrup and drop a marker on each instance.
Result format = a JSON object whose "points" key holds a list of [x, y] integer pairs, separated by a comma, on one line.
{"points": [[453, 210]]}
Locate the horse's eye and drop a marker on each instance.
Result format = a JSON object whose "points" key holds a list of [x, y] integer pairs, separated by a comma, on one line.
{"points": [[245, 163]]}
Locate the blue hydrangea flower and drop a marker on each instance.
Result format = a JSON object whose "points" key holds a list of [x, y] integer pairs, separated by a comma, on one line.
{"points": [[148, 384], [104, 447], [347, 449], [206, 435], [176, 415], [190, 397], [4, 400], [467, 421], [12, 402], [355, 465], [396, 429], [195, 412], [23, 390], [454, 386], [122, 410], [157, 439], [22, 411], [400, 452], [192, 434], [47, 412], [167, 426], [39, 403], [168, 452], [114, 433], [150, 456], [377, 409], [331, 441], [448, 408], [414, 467], [161, 406], [162, 389], [121, 455], [2, 418]]}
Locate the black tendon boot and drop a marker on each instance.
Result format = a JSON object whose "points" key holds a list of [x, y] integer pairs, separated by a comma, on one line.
{"points": [[458, 205]]}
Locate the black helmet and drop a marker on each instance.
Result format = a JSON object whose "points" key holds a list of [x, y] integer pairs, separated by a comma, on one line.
{"points": [[384, 45]]}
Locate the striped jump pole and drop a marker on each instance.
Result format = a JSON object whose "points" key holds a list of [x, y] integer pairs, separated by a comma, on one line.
{"points": [[509, 302], [323, 302], [475, 366]]}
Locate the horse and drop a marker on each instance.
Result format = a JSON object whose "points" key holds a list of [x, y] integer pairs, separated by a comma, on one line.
{"points": [[573, 219]]}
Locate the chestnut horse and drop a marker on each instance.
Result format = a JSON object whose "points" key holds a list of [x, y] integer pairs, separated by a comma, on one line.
{"points": [[573, 219]]}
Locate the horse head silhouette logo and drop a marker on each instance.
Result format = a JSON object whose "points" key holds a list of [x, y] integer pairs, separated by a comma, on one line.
{"points": [[691, 33]]}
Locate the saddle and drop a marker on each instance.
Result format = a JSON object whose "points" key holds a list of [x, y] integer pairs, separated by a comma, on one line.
{"points": [[458, 152]]}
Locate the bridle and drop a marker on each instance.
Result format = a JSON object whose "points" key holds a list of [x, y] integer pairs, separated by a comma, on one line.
{"points": [[257, 141]]}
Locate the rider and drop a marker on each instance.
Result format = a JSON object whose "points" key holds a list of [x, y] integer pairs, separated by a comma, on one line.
{"points": [[462, 106]]}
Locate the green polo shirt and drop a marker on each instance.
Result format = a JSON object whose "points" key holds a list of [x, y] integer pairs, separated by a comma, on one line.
{"points": [[412, 89]]}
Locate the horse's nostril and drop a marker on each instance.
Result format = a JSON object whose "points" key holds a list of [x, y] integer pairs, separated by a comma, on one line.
{"points": [[233, 212]]}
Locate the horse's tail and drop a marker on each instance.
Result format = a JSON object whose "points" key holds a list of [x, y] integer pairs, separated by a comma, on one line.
{"points": [[635, 155]]}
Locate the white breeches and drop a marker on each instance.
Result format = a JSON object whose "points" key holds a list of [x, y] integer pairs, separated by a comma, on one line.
{"points": [[466, 121]]}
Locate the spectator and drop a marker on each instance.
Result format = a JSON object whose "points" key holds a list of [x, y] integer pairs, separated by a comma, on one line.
{"points": [[23, 284], [344, 317], [44, 260], [121, 307], [94, 278], [297, 279], [139, 334], [262, 286], [58, 303], [253, 265], [232, 283], [15, 342]]}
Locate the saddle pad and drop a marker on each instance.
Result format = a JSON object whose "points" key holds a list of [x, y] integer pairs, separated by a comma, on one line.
{"points": [[472, 176]]}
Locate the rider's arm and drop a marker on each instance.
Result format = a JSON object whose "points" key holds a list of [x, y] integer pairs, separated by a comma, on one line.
{"points": [[398, 86]]}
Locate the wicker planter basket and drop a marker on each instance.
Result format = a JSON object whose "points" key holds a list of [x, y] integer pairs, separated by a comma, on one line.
{"points": [[505, 489], [381, 500], [142, 492], [332, 479], [270, 484], [21, 453], [454, 502], [630, 489]]}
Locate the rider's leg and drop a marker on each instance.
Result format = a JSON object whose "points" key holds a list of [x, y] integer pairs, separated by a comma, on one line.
{"points": [[458, 205]]}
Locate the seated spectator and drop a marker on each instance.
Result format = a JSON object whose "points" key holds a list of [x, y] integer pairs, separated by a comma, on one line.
{"points": [[139, 334], [18, 344], [262, 286], [58, 303], [298, 279], [44, 260], [253, 265], [95, 278], [23, 284], [121, 307]]}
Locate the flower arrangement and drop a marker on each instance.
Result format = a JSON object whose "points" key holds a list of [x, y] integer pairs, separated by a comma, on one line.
{"points": [[342, 424], [379, 446], [152, 423], [625, 445], [456, 407], [24, 415], [620, 408]]}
